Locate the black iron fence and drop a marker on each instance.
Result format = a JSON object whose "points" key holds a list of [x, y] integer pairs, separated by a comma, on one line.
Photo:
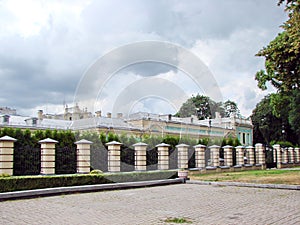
{"points": [[127, 159], [152, 159], [65, 160], [271, 158], [27, 161]]}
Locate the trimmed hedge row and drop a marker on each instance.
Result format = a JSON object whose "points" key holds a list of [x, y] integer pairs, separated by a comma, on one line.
{"points": [[19, 183]]}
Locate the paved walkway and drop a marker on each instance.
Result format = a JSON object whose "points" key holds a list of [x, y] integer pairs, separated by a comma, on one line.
{"points": [[200, 203]]}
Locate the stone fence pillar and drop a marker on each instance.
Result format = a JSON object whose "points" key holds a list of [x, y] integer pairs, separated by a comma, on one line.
{"points": [[83, 156], [278, 154], [291, 155], [215, 155], [48, 156], [228, 155], [183, 156], [239, 155], [260, 154], [140, 155], [163, 156], [7, 155], [200, 155], [297, 155], [250, 150], [114, 156], [285, 155]]}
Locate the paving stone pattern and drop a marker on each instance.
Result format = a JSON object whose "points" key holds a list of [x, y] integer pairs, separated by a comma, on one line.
{"points": [[202, 204]]}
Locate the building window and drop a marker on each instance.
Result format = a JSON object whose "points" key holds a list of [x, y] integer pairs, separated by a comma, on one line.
{"points": [[244, 138]]}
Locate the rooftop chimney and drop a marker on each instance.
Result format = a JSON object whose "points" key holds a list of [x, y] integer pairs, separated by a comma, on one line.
{"points": [[98, 113]]}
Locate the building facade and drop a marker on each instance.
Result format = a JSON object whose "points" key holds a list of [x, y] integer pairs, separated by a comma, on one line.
{"points": [[136, 124]]}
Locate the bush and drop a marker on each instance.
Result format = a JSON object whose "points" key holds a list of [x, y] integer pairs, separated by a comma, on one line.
{"points": [[96, 172], [38, 182], [282, 143]]}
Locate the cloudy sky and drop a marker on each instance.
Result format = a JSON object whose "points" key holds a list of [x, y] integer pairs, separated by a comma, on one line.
{"points": [[48, 47]]}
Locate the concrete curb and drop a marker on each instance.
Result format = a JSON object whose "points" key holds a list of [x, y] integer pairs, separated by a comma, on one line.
{"points": [[238, 184], [85, 188]]}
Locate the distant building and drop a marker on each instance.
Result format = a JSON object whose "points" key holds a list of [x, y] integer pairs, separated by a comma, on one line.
{"points": [[136, 124], [7, 111], [70, 113]]}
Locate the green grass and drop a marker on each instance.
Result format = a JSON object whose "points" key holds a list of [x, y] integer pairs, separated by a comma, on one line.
{"points": [[255, 176], [178, 220]]}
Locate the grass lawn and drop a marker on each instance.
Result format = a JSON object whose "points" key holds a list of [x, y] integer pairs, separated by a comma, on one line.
{"points": [[256, 176]]}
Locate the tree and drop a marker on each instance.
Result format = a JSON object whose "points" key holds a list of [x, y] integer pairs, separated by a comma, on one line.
{"points": [[282, 55], [268, 128], [282, 70], [230, 108], [201, 106]]}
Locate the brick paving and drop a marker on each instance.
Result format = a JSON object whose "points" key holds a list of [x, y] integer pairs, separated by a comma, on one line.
{"points": [[200, 203]]}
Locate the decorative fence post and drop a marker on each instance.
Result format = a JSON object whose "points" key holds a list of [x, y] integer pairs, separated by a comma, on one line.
{"points": [[297, 155], [48, 156], [7, 155], [183, 156], [83, 156], [260, 154], [163, 156], [250, 150], [239, 155], [140, 154], [114, 156], [215, 155], [200, 155], [285, 155], [228, 155], [279, 155], [291, 155]]}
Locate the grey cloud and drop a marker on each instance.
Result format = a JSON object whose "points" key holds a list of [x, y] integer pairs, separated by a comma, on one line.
{"points": [[149, 68], [46, 68]]}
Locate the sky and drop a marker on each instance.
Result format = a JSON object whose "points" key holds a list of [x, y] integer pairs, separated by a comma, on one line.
{"points": [[49, 48]]}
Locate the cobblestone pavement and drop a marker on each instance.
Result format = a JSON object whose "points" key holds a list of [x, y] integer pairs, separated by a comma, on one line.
{"points": [[200, 203]]}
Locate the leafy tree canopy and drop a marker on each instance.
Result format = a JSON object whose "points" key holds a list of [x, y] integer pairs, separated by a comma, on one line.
{"points": [[269, 128], [282, 70], [282, 55], [204, 107]]}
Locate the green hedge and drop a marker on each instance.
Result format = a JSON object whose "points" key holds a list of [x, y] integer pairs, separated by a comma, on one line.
{"points": [[18, 183]]}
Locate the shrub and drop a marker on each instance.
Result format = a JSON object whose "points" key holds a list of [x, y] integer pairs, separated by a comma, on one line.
{"points": [[96, 172], [17, 183]]}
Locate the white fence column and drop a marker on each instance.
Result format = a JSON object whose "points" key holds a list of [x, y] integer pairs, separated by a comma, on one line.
{"points": [[250, 150], [140, 154], [183, 156], [239, 155], [48, 156], [7, 155], [278, 155], [200, 155], [297, 155], [215, 155], [83, 156], [114, 156], [285, 155], [291, 155], [228, 155], [260, 154], [163, 156]]}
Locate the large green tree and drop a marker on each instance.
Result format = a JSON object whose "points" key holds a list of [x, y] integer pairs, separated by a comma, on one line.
{"points": [[282, 55], [282, 70], [201, 106], [267, 127], [204, 107]]}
